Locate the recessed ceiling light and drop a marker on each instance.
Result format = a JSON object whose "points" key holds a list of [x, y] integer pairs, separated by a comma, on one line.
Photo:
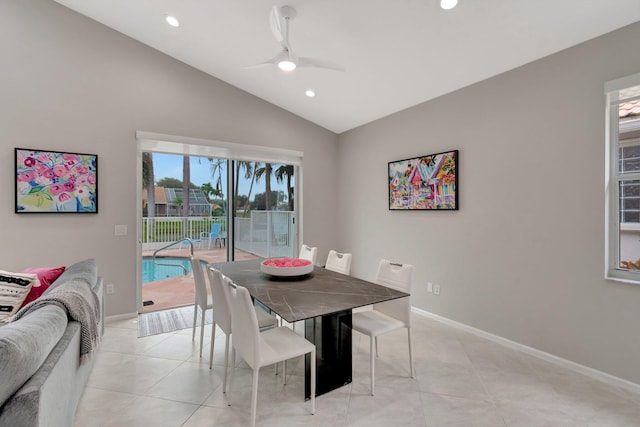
{"points": [[172, 20], [448, 4], [310, 93]]}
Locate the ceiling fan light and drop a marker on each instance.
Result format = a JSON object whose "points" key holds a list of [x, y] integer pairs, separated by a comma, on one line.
{"points": [[286, 65], [448, 4], [172, 20]]}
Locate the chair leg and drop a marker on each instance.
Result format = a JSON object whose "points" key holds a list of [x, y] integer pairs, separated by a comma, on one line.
{"points": [[226, 363], [410, 354], [373, 340], [233, 373], [202, 330], [213, 340], [195, 317], [377, 347], [254, 396], [284, 372], [313, 381]]}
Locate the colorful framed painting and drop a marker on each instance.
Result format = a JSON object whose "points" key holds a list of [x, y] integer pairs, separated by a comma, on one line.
{"points": [[56, 182], [424, 183]]}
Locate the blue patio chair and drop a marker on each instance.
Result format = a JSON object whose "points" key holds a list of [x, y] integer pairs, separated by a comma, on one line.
{"points": [[213, 235]]}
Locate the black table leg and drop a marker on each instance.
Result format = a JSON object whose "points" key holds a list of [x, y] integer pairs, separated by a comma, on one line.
{"points": [[331, 335]]}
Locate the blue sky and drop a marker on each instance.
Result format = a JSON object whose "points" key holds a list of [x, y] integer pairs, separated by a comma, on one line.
{"points": [[170, 166]]}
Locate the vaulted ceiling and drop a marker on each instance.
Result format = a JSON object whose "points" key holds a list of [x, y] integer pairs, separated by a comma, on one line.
{"points": [[396, 53]]}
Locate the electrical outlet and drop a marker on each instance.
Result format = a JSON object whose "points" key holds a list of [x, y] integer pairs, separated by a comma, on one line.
{"points": [[120, 230], [110, 289], [436, 289], [429, 287]]}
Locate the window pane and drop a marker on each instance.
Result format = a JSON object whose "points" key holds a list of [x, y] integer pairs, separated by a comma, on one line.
{"points": [[264, 217], [630, 201], [629, 232], [629, 159]]}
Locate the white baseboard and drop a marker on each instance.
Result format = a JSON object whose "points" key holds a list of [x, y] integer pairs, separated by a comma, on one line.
{"points": [[118, 317], [585, 370]]}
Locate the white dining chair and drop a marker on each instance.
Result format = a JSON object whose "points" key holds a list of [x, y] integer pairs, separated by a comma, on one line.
{"points": [[308, 253], [267, 348], [339, 262], [219, 284], [202, 301], [389, 315]]}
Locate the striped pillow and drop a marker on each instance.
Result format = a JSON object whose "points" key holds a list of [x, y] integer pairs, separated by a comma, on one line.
{"points": [[14, 288]]}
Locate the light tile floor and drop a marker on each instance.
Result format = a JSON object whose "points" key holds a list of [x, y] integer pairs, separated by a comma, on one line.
{"points": [[461, 380]]}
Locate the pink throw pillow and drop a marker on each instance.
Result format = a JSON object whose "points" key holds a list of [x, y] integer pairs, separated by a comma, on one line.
{"points": [[46, 276]]}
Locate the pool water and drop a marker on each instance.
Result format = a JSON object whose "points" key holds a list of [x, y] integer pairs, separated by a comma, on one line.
{"points": [[152, 272]]}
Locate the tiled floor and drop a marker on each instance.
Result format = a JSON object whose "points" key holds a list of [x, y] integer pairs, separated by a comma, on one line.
{"points": [[461, 380]]}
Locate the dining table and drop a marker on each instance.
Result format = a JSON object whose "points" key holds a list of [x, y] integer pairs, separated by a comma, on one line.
{"points": [[324, 300]]}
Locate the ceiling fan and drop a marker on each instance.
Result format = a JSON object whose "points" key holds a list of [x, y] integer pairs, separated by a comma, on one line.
{"points": [[286, 60]]}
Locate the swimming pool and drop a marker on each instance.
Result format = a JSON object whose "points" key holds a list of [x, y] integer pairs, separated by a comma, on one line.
{"points": [[152, 272]]}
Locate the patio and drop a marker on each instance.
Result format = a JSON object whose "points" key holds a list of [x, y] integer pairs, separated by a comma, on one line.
{"points": [[180, 291]]}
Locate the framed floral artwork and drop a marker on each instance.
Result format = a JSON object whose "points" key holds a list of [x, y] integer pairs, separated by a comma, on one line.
{"points": [[424, 183], [56, 182]]}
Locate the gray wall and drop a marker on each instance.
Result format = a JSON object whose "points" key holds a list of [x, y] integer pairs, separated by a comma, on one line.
{"points": [[69, 83], [522, 259], [524, 256]]}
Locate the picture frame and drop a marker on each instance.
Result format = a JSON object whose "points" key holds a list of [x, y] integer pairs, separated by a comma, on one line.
{"points": [[428, 182], [55, 182]]}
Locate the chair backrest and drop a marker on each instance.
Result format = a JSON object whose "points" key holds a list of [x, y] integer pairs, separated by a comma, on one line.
{"points": [[308, 253], [244, 322], [400, 278], [338, 262], [200, 284], [220, 295], [215, 230]]}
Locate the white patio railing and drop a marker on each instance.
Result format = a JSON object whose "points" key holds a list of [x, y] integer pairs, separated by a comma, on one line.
{"points": [[158, 231], [264, 233]]}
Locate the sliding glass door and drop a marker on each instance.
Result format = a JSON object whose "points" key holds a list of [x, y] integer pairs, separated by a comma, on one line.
{"points": [[218, 209], [263, 210]]}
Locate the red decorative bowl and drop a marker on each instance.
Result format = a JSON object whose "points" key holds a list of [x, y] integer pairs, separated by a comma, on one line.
{"points": [[286, 267]]}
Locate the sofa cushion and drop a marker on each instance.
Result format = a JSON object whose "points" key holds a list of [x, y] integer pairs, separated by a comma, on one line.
{"points": [[25, 344], [46, 276], [86, 270], [14, 288]]}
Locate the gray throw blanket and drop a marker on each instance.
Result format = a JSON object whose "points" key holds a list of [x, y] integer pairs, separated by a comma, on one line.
{"points": [[82, 306]]}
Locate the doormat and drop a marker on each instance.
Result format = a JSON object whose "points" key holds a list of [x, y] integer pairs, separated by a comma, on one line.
{"points": [[160, 322]]}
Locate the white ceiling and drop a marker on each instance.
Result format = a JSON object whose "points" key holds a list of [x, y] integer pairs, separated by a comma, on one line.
{"points": [[397, 53]]}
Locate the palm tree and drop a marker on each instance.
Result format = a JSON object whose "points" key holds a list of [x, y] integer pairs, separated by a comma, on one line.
{"points": [[254, 178], [280, 173], [148, 183], [148, 180], [217, 168], [177, 202], [248, 173], [266, 171], [186, 180], [208, 190]]}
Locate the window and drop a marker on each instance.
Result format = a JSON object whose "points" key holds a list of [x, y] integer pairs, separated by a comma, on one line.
{"points": [[623, 185]]}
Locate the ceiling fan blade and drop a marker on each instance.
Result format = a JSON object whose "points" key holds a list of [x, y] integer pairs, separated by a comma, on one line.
{"points": [[283, 54], [260, 65], [272, 61], [319, 63]]}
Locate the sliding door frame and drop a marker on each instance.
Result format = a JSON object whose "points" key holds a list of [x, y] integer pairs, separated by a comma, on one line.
{"points": [[232, 152]]}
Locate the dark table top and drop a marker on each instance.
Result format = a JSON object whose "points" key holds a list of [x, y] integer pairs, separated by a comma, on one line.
{"points": [[320, 293]]}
